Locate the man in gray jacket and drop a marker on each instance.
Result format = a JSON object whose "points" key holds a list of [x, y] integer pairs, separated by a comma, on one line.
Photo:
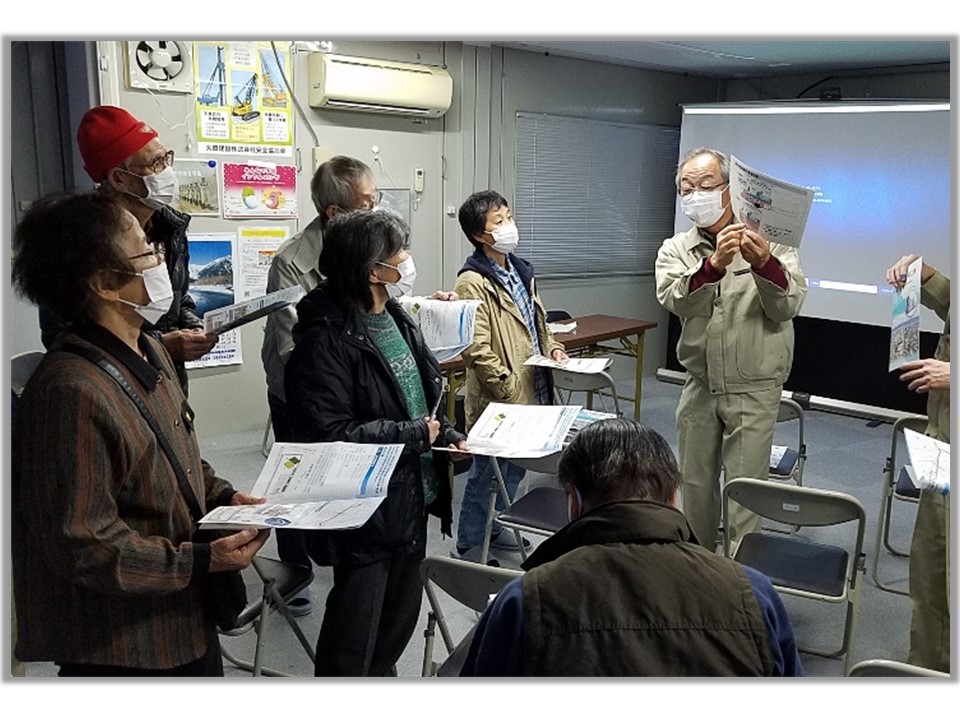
{"points": [[736, 295]]}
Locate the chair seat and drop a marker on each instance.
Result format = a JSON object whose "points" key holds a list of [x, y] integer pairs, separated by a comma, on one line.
{"points": [[290, 580], [906, 489], [543, 510], [786, 465], [792, 562], [452, 666]]}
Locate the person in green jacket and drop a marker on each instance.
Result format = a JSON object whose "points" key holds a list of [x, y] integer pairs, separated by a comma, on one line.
{"points": [[930, 547]]}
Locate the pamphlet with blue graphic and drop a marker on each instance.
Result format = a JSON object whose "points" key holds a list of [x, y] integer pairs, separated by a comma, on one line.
{"points": [[314, 486], [905, 322]]}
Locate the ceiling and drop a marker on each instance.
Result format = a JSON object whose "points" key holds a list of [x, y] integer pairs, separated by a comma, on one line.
{"points": [[751, 58]]}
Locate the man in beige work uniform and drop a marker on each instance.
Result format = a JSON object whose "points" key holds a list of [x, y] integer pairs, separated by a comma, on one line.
{"points": [[736, 295], [930, 548]]}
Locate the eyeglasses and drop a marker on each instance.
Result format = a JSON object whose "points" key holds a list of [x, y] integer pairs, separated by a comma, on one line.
{"points": [[158, 252], [371, 201], [159, 163], [689, 189]]}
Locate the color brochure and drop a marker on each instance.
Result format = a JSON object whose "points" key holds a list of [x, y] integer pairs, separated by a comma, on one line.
{"points": [[905, 320], [930, 459], [774, 208], [447, 325], [314, 486], [585, 366], [233, 316], [520, 431]]}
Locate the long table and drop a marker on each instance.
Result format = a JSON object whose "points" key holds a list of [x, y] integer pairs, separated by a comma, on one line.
{"points": [[591, 337]]}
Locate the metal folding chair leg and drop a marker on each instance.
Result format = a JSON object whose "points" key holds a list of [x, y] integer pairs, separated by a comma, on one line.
{"points": [[271, 599], [498, 486]]}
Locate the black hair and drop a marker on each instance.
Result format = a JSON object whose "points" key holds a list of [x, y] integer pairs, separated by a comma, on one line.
{"points": [[353, 242], [334, 183], [61, 243], [620, 459], [473, 213]]}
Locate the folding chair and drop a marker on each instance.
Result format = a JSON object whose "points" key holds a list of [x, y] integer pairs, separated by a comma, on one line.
{"points": [[892, 668], [601, 383], [897, 485], [498, 486], [270, 584], [471, 585], [797, 566], [790, 466], [22, 366], [265, 444], [542, 510]]}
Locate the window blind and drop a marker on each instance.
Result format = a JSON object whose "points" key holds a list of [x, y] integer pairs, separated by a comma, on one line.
{"points": [[593, 198]]}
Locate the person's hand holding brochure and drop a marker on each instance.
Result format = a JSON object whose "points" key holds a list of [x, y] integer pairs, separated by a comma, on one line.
{"points": [[315, 486], [774, 208], [587, 366], [520, 431]]}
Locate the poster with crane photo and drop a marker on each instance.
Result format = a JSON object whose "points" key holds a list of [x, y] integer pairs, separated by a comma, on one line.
{"points": [[212, 285], [242, 100]]}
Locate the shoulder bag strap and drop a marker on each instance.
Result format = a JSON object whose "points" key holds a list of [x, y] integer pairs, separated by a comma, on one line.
{"points": [[111, 369]]}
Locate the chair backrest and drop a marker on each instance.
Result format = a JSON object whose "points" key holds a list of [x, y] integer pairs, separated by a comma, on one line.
{"points": [[558, 316], [22, 367], [796, 505], [548, 465], [917, 423], [586, 382], [892, 668], [789, 411], [469, 583]]}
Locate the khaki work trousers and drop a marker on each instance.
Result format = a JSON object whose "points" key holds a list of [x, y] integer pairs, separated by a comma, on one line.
{"points": [[930, 584], [731, 432]]}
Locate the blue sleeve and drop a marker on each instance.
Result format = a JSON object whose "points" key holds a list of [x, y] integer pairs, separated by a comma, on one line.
{"points": [[783, 645], [497, 647]]}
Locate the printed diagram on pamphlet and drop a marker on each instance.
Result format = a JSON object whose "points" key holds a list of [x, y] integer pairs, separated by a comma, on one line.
{"points": [[905, 321], [586, 366], [773, 208], [521, 431], [315, 486], [447, 325], [233, 316], [930, 459]]}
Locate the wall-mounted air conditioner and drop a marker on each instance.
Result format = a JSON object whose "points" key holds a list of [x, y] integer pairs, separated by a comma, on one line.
{"points": [[361, 84]]}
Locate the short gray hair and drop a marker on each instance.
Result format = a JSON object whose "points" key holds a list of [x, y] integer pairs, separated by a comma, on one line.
{"points": [[689, 155], [620, 459], [334, 183]]}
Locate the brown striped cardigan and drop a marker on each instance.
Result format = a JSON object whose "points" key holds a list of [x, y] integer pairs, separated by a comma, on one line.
{"points": [[104, 570]]}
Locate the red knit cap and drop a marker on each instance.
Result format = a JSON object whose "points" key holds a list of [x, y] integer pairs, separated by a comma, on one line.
{"points": [[107, 136]]}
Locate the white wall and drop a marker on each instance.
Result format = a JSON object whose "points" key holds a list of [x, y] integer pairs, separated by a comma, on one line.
{"points": [[496, 84], [470, 148]]}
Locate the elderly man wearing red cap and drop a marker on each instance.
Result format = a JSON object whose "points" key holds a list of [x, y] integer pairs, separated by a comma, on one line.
{"points": [[126, 159]]}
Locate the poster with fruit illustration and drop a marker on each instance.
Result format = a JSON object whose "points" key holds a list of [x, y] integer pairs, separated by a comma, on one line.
{"points": [[259, 190]]}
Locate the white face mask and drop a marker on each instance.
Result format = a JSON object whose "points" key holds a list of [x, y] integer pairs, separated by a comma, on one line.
{"points": [[506, 238], [703, 207], [159, 290], [162, 188], [408, 276]]}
